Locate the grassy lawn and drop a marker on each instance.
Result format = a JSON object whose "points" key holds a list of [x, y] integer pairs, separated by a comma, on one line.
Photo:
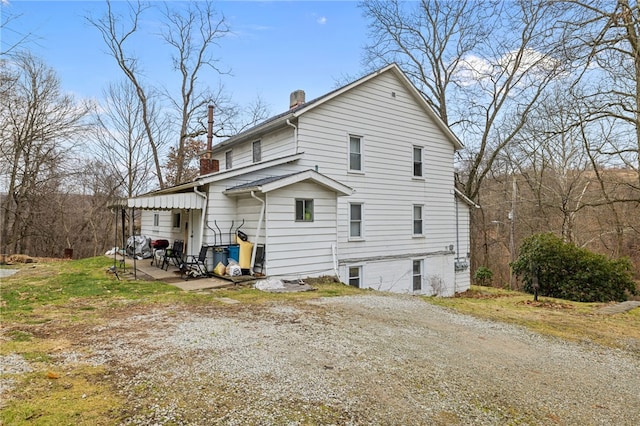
{"points": [[569, 320], [71, 295]]}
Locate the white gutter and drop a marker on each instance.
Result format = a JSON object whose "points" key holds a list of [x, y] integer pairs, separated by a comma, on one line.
{"points": [[203, 219], [255, 245], [295, 136]]}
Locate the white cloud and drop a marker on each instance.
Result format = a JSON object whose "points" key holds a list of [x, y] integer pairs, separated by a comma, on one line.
{"points": [[322, 20]]}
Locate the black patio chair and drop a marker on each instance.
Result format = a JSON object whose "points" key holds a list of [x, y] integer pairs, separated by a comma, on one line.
{"points": [[173, 255], [196, 266]]}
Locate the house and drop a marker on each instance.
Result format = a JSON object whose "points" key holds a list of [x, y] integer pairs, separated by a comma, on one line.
{"points": [[358, 184]]}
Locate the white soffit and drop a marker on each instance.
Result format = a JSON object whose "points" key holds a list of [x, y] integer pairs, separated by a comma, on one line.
{"points": [[182, 201]]}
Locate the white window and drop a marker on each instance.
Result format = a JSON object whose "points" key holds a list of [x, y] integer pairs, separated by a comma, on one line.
{"points": [[176, 220], [355, 272], [156, 219], [304, 210], [355, 220], [257, 151], [228, 159], [355, 153], [417, 220], [417, 161], [417, 275]]}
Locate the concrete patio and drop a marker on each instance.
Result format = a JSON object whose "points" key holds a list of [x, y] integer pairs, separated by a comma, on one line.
{"points": [[144, 269]]}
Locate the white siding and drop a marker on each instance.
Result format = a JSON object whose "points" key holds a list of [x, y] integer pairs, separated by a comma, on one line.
{"points": [[391, 122], [300, 249], [274, 145], [390, 127], [463, 276], [165, 230]]}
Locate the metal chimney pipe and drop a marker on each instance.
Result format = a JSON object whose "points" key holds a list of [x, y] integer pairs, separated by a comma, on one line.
{"points": [[210, 132]]}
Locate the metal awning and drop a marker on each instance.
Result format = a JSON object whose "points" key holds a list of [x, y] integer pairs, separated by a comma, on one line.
{"points": [[182, 201]]}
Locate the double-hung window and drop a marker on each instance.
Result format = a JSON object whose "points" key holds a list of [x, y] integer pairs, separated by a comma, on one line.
{"points": [[304, 210], [156, 220], [417, 220], [417, 275], [355, 220], [228, 159], [417, 161], [257, 151], [355, 153]]}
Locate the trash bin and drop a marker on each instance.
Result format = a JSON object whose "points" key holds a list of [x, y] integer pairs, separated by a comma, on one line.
{"points": [[220, 255], [68, 253], [234, 252]]}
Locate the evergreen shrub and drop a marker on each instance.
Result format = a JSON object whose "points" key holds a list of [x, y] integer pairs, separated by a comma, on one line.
{"points": [[566, 271]]}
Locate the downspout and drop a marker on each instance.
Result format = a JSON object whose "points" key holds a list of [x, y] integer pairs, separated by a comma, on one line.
{"points": [[203, 219], [457, 258], [255, 245], [295, 136]]}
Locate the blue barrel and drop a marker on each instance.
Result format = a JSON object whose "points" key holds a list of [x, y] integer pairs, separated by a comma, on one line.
{"points": [[234, 252], [220, 255]]}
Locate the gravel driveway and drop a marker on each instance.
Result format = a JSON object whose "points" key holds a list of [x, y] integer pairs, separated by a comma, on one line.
{"points": [[359, 360]]}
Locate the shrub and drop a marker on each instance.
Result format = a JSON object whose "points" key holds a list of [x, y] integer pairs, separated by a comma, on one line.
{"points": [[569, 272], [483, 276]]}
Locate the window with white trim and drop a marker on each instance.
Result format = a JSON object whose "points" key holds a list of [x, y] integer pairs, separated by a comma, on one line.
{"points": [[156, 219], [417, 275], [228, 159], [355, 274], [417, 220], [257, 151], [304, 210], [177, 220], [355, 153], [355, 220], [417, 161]]}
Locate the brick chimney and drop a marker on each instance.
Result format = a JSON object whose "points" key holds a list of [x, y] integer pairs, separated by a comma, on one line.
{"points": [[207, 163], [296, 99]]}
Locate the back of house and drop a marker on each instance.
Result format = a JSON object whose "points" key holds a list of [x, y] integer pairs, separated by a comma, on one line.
{"points": [[358, 184]]}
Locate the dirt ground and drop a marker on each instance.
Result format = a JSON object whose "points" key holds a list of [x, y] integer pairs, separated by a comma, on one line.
{"points": [[358, 360]]}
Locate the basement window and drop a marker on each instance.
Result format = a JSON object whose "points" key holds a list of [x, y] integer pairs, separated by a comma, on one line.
{"points": [[355, 272], [417, 275]]}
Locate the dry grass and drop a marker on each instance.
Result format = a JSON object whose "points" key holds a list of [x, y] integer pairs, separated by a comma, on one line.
{"points": [[573, 321]]}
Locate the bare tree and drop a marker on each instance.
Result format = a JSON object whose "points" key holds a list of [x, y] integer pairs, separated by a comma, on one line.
{"points": [[39, 126], [477, 79], [192, 33], [121, 139], [116, 36], [606, 39]]}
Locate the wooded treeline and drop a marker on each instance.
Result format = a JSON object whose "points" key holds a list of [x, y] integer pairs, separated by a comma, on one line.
{"points": [[544, 95]]}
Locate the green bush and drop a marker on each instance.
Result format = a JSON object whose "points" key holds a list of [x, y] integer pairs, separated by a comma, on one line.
{"points": [[483, 276], [572, 273]]}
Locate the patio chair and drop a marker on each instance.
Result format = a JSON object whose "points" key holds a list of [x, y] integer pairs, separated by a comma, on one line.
{"points": [[173, 255], [195, 266]]}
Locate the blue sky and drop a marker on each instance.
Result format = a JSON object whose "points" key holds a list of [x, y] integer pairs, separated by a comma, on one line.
{"points": [[276, 47]]}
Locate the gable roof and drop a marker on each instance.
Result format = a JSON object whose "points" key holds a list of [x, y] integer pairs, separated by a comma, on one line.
{"points": [[281, 120], [276, 182]]}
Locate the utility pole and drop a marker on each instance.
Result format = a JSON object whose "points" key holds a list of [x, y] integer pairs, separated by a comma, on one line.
{"points": [[512, 231]]}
